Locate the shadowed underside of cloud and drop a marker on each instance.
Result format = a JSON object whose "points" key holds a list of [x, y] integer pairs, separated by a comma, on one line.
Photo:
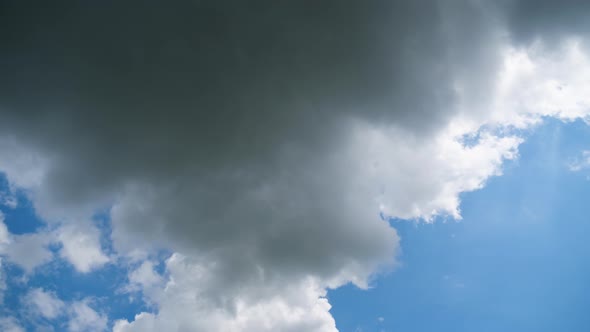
{"points": [[262, 141]]}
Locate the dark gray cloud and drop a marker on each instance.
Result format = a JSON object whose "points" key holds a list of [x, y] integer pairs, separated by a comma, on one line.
{"points": [[132, 90], [218, 115], [548, 20]]}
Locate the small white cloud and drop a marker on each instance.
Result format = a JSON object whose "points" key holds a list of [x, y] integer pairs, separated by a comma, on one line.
{"points": [[380, 319], [581, 162], [84, 318], [144, 278], [46, 304], [28, 250], [81, 247]]}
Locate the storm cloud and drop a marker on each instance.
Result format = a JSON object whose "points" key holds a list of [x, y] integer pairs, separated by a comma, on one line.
{"points": [[262, 140]]}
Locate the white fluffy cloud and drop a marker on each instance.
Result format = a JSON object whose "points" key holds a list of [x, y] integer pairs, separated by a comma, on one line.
{"points": [[81, 247], [44, 303], [83, 318], [27, 250], [79, 314], [144, 278], [185, 305]]}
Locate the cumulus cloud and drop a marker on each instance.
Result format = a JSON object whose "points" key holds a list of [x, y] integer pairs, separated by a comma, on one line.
{"points": [[81, 247], [264, 142], [28, 250], [82, 317], [79, 314], [296, 307], [44, 303], [144, 277]]}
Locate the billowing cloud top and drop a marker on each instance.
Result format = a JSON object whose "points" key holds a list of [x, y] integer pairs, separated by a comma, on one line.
{"points": [[261, 141]]}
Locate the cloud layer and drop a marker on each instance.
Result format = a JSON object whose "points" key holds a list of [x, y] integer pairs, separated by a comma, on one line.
{"points": [[265, 142]]}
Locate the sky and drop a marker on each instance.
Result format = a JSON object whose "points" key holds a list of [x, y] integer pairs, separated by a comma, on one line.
{"points": [[516, 262], [294, 166]]}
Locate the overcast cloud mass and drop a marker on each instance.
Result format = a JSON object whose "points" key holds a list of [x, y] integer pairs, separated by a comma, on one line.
{"points": [[266, 143]]}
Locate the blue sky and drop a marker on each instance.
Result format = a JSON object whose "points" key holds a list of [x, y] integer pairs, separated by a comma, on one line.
{"points": [[518, 261]]}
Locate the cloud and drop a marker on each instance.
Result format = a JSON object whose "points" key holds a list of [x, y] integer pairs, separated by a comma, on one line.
{"points": [[3, 286], [44, 303], [81, 247], [299, 307], [8, 199], [580, 163], [79, 314], [144, 277], [531, 20], [10, 324], [84, 318], [28, 250], [262, 142], [4, 234]]}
